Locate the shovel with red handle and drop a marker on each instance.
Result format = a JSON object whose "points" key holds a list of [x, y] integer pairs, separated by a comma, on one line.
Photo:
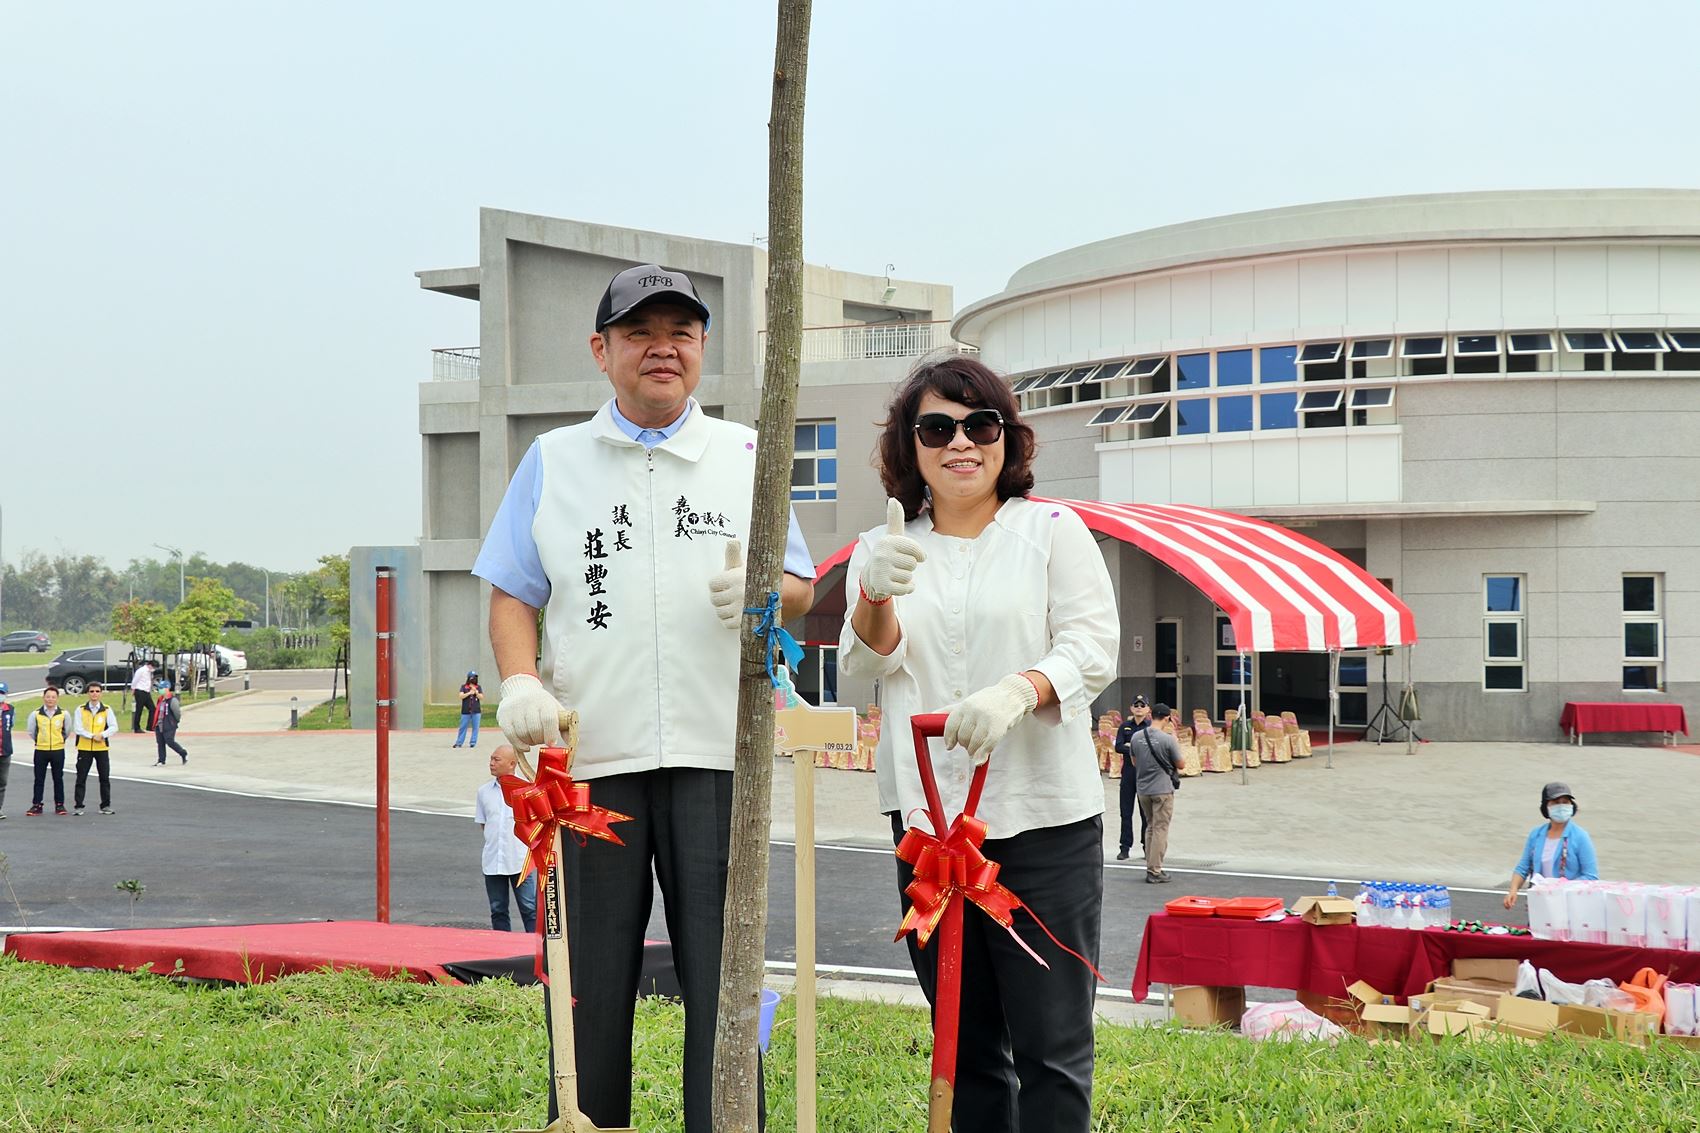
{"points": [[947, 992]]}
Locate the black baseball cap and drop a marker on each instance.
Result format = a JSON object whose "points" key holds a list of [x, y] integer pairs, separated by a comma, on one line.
{"points": [[1160, 711], [647, 283], [1139, 700]]}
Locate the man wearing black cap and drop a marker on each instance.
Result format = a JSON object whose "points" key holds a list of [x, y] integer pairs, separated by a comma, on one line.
{"points": [[1138, 719], [1157, 761], [628, 530]]}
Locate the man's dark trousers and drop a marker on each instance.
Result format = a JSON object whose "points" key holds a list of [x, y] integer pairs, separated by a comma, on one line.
{"points": [[46, 761], [682, 826], [1130, 781], [102, 761], [141, 716]]}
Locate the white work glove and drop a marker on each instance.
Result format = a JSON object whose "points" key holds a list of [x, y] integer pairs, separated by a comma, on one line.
{"points": [[527, 714], [726, 589], [890, 569], [986, 717]]}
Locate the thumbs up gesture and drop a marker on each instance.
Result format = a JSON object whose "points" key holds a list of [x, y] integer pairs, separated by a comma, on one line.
{"points": [[726, 588], [890, 569]]}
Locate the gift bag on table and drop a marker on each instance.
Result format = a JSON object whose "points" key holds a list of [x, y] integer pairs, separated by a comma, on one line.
{"points": [[1586, 902], [1667, 917], [1549, 908], [1682, 1009], [1626, 913]]}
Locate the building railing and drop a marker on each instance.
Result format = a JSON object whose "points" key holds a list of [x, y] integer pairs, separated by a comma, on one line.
{"points": [[454, 364], [856, 341]]}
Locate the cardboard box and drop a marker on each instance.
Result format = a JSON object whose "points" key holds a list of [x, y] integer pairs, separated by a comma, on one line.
{"points": [[1636, 1027], [1535, 1017], [1487, 993], [1209, 1006], [1341, 1012], [1689, 1042], [1326, 910], [1505, 971]]}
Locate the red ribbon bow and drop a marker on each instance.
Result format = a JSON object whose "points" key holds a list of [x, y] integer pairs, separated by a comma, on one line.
{"points": [[948, 869], [553, 800]]}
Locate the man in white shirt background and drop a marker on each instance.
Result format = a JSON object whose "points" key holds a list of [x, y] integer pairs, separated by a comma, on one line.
{"points": [[141, 697], [504, 855]]}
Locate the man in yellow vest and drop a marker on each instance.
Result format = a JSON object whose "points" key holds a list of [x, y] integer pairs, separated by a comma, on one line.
{"points": [[94, 725], [49, 728]]}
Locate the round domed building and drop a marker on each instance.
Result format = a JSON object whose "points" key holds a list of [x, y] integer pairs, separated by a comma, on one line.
{"points": [[1490, 401]]}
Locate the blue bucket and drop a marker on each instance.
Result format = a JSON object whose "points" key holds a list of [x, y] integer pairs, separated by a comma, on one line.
{"points": [[764, 1028]]}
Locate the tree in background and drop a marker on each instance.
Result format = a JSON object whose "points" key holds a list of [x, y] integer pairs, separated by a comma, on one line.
{"points": [[139, 622], [333, 589]]}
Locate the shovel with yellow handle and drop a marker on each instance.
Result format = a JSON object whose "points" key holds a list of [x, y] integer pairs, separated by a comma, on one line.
{"points": [[563, 1053]]}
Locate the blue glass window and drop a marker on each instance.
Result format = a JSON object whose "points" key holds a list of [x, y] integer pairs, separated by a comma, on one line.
{"points": [[826, 435], [1278, 364], [1280, 410], [1354, 671], [1505, 594], [1233, 368], [1233, 414], [1194, 371], [1192, 416]]}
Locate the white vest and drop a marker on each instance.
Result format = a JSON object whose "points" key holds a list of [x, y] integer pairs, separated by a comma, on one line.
{"points": [[629, 538]]}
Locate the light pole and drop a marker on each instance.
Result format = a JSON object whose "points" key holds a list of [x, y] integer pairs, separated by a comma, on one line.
{"points": [[178, 555]]}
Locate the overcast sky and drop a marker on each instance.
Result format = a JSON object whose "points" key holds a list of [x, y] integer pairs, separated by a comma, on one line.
{"points": [[212, 212]]}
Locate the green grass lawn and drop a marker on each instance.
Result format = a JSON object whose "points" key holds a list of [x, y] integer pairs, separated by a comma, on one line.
{"points": [[104, 1051], [322, 716]]}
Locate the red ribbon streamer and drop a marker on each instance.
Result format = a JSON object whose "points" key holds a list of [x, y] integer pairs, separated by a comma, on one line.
{"points": [[553, 801], [954, 868]]}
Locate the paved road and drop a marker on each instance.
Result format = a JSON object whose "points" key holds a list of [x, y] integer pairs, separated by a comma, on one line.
{"points": [[212, 858], [24, 677]]}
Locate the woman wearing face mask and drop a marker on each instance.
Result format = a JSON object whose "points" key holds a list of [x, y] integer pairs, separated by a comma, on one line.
{"points": [[1556, 848], [975, 601]]}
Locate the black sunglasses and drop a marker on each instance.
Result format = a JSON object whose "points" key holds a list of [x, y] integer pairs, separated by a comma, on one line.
{"points": [[982, 427]]}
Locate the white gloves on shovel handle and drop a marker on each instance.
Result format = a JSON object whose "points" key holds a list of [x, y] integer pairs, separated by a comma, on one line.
{"points": [[890, 570], [726, 589], [986, 717], [527, 714]]}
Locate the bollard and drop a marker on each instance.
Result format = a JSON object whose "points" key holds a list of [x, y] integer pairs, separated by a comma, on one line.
{"points": [[246, 682], [294, 708]]}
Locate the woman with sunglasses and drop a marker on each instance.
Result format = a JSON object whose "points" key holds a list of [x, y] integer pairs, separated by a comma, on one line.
{"points": [[977, 601]]}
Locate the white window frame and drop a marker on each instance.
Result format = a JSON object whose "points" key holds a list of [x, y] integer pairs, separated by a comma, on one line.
{"points": [[1300, 359], [1659, 347], [1109, 371], [1405, 350], [1654, 617], [1361, 398], [816, 455], [1050, 379], [1360, 354], [1075, 377], [1022, 385], [1574, 338], [1676, 337], [1152, 411], [1145, 367], [1106, 417], [1337, 394], [1459, 351], [1520, 618], [1511, 346]]}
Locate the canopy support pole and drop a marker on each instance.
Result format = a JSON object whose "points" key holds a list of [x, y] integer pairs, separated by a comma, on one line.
{"points": [[1245, 756], [1333, 700], [1410, 725]]}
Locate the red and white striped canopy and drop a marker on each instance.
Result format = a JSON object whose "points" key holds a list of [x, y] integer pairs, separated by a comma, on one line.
{"points": [[1282, 592]]}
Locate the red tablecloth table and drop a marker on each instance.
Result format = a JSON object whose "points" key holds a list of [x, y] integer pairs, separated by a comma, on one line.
{"points": [[1581, 716], [1217, 952]]}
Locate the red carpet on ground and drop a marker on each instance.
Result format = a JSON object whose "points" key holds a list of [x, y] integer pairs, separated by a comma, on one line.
{"points": [[257, 953]]}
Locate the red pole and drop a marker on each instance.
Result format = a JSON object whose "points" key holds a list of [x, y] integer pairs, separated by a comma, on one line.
{"points": [[385, 578]]}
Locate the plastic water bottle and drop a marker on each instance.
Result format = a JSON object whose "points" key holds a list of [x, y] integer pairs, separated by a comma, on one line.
{"points": [[1418, 898], [1384, 906], [1442, 906], [1365, 902], [1332, 891]]}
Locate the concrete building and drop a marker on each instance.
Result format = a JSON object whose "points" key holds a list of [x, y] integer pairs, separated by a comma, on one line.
{"points": [[1491, 401], [537, 284]]}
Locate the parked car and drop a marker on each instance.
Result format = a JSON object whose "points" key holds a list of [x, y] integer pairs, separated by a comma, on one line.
{"points": [[231, 660], [25, 641], [73, 669]]}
